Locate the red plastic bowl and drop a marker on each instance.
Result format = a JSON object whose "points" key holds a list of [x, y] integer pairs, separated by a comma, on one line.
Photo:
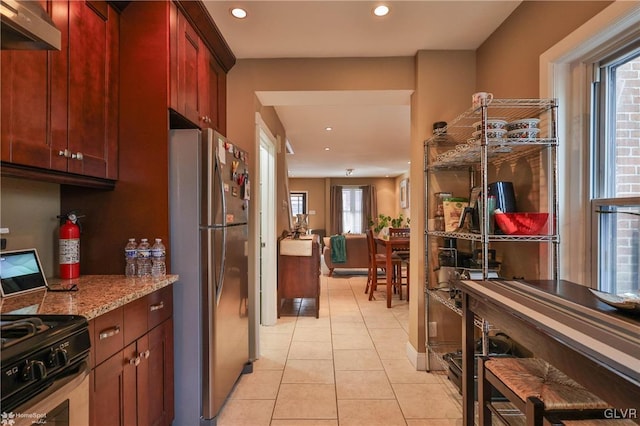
{"points": [[522, 223]]}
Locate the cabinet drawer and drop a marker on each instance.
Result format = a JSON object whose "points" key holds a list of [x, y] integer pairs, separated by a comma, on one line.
{"points": [[135, 319], [160, 306], [108, 337]]}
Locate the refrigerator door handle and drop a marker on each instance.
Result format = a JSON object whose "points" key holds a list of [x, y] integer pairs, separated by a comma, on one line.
{"points": [[223, 201], [222, 266]]}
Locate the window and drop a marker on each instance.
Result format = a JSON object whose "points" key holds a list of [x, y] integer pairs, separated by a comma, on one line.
{"points": [[352, 210], [615, 177], [298, 202]]}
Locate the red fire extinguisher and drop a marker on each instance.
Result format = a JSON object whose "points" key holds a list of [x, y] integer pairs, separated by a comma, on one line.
{"points": [[70, 246]]}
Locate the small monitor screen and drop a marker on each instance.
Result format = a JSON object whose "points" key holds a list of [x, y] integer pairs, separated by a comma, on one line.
{"points": [[20, 271]]}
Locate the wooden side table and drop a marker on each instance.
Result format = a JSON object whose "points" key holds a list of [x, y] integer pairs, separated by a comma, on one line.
{"points": [[299, 276]]}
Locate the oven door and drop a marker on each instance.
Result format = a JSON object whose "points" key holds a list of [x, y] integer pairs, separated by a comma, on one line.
{"points": [[64, 403]]}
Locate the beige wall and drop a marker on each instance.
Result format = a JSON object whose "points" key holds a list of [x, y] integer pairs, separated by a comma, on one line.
{"points": [[315, 189], [29, 210], [508, 61], [445, 81], [318, 195], [536, 25]]}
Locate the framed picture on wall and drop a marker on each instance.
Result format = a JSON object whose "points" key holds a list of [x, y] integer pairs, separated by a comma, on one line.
{"points": [[404, 194]]}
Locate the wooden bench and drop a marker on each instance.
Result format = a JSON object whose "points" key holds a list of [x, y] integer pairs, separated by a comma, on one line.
{"points": [[536, 388]]}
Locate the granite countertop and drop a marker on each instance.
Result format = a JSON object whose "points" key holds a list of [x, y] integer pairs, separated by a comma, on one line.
{"points": [[96, 295]]}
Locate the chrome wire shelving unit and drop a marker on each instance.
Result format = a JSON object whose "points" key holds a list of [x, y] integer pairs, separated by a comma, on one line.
{"points": [[463, 146]]}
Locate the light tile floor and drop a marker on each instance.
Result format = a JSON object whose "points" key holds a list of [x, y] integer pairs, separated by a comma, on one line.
{"points": [[348, 367]]}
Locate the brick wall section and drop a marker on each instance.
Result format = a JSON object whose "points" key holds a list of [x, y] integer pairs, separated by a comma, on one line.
{"points": [[628, 173]]}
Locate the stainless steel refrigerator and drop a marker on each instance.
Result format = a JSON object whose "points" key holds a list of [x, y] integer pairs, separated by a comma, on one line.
{"points": [[209, 199]]}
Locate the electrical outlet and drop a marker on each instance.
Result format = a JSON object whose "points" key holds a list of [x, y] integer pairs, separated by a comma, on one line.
{"points": [[433, 329]]}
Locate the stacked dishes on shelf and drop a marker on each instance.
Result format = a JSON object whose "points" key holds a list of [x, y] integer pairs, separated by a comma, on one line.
{"points": [[497, 132], [527, 128]]}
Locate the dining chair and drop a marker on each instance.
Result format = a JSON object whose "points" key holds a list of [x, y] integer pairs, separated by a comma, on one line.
{"points": [[403, 253], [379, 261]]}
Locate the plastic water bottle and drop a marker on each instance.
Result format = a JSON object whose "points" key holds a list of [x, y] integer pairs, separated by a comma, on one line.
{"points": [[144, 258], [130, 254], [158, 253]]}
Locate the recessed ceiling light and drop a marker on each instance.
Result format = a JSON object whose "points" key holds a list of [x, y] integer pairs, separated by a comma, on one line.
{"points": [[239, 13], [408, 162], [381, 10], [328, 128], [326, 148]]}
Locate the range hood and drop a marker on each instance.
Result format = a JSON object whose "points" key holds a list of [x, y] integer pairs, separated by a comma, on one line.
{"points": [[25, 25]]}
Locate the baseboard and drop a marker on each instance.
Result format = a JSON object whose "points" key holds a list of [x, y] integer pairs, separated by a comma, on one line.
{"points": [[417, 359]]}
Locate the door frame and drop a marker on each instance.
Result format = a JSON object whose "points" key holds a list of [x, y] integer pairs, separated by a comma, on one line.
{"points": [[266, 220]]}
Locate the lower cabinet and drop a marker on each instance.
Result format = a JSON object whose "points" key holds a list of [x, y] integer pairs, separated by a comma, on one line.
{"points": [[134, 386]]}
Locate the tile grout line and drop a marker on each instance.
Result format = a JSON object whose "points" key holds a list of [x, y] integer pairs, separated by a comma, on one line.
{"points": [[395, 396]]}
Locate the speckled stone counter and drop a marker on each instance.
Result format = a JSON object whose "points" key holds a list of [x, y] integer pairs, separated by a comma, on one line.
{"points": [[96, 295]]}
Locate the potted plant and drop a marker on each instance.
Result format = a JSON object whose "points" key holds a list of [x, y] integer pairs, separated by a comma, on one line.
{"points": [[383, 222]]}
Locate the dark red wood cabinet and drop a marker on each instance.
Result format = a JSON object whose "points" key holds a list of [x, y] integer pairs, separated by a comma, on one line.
{"points": [[25, 139], [132, 382], [93, 89], [59, 108], [212, 85], [185, 51], [24, 81], [198, 82]]}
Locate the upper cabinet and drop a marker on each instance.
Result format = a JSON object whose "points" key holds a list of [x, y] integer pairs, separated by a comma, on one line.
{"points": [[185, 52], [25, 137], [60, 108], [212, 89], [198, 81], [93, 89]]}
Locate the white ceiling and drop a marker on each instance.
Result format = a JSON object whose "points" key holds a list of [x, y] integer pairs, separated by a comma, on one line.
{"points": [[371, 128]]}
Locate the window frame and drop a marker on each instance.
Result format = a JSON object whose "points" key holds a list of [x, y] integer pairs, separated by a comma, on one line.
{"points": [[305, 201], [354, 189], [604, 197]]}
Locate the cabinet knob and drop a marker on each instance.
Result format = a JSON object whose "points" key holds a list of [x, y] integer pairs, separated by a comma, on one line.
{"points": [[135, 361], [77, 156], [66, 153], [145, 354]]}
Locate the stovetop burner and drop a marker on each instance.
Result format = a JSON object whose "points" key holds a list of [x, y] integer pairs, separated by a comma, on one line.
{"points": [[15, 331], [36, 349]]}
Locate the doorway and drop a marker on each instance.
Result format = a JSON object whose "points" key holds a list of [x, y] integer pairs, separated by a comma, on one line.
{"points": [[267, 218]]}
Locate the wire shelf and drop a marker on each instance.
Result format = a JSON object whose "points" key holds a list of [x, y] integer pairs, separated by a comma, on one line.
{"points": [[468, 154], [450, 303], [461, 128], [469, 236], [440, 349]]}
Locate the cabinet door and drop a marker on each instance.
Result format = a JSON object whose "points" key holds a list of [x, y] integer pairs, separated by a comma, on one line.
{"points": [[108, 392], [212, 91], [24, 76], [160, 364], [93, 41], [142, 389], [187, 69]]}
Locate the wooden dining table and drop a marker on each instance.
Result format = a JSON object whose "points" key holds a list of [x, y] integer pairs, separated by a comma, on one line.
{"points": [[391, 244]]}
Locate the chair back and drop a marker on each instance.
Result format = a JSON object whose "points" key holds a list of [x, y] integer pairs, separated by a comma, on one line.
{"points": [[371, 246], [399, 232]]}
